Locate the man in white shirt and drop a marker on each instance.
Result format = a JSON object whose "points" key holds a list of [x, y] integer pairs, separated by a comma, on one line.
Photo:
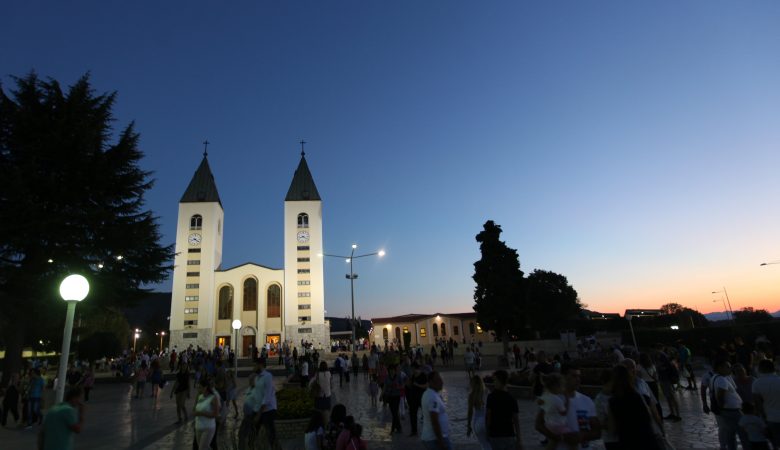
{"points": [[265, 400], [729, 403], [436, 427], [581, 415], [766, 395]]}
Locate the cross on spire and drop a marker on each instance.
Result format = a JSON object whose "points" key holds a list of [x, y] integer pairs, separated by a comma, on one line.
{"points": [[303, 153], [206, 148]]}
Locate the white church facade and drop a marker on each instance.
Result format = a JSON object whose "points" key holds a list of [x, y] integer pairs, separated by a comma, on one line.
{"points": [[273, 305]]}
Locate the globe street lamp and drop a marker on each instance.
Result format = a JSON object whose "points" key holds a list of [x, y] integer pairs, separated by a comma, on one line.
{"points": [[352, 276], [135, 337], [73, 289], [236, 326]]}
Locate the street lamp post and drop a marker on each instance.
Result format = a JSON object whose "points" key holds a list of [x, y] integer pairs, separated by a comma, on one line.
{"points": [[352, 276], [73, 289], [731, 311], [135, 337], [161, 334], [236, 326]]}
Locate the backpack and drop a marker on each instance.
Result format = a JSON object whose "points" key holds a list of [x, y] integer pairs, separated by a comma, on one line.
{"points": [[714, 405]]}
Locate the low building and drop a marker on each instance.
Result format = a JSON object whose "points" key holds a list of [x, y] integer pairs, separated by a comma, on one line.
{"points": [[425, 329]]}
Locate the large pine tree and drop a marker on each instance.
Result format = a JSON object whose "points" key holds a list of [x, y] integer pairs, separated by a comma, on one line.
{"points": [[498, 296], [71, 201]]}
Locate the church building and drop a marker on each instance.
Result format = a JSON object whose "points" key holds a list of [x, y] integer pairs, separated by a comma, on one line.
{"points": [[273, 305]]}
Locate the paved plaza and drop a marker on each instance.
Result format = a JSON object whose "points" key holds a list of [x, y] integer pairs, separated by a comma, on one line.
{"points": [[114, 420]]}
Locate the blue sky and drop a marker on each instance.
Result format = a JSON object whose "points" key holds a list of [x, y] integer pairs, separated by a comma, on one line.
{"points": [[631, 146]]}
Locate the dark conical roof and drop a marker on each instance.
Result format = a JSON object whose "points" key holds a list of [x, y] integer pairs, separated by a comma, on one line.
{"points": [[202, 188], [302, 187]]}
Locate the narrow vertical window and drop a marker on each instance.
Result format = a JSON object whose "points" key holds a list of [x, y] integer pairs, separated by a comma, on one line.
{"points": [[303, 220], [435, 329], [225, 307], [444, 329], [250, 294], [196, 222], [274, 301]]}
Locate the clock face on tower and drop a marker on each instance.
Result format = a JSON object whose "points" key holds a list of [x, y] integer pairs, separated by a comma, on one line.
{"points": [[194, 239], [303, 236]]}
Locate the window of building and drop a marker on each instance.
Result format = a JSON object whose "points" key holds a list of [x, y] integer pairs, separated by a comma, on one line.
{"points": [[303, 271], [193, 250], [303, 259], [193, 286], [193, 262], [196, 222], [406, 330], [304, 282], [193, 274], [302, 318], [274, 301], [444, 329], [398, 334], [304, 294], [472, 329], [303, 248], [304, 330], [304, 306], [422, 332], [384, 333], [250, 294], [190, 310], [191, 298], [435, 329], [189, 335], [454, 330], [225, 307], [303, 220], [190, 322]]}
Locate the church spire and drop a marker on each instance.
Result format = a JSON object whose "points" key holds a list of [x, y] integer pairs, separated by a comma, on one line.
{"points": [[202, 187], [302, 187]]}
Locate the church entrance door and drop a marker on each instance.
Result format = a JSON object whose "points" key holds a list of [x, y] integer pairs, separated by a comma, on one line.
{"points": [[246, 348], [273, 341], [223, 342]]}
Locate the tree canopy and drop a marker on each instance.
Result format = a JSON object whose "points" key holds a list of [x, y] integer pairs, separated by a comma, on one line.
{"points": [[499, 296], [551, 300], [751, 315], [71, 201]]}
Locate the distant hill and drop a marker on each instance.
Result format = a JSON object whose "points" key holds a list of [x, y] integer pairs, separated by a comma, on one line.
{"points": [[723, 315]]}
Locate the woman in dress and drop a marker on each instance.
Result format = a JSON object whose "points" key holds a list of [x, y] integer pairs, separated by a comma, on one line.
{"points": [[206, 412], [476, 414]]}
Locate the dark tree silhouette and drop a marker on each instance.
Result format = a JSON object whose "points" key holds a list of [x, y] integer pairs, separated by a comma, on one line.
{"points": [[551, 300], [672, 308], [750, 315], [71, 201], [498, 297]]}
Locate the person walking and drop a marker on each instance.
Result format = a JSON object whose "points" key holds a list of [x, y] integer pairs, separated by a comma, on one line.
{"points": [[476, 415], [87, 382], [140, 379], [501, 415], [633, 421], [726, 405], [355, 365], [11, 401], [181, 389], [36, 392], [436, 428], [392, 395], [416, 385], [320, 386], [265, 383], [62, 421], [206, 411], [766, 394]]}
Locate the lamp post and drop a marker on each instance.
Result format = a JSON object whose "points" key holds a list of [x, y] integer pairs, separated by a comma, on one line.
{"points": [[161, 334], [352, 276], [236, 326], [731, 311], [73, 289], [135, 337]]}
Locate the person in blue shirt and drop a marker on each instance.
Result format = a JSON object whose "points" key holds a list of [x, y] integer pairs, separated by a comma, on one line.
{"points": [[62, 421]]}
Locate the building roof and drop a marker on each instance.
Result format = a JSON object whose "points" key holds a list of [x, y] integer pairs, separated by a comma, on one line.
{"points": [[246, 264], [202, 188], [302, 187], [417, 317]]}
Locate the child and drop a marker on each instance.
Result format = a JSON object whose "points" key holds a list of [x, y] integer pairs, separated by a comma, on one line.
{"points": [[373, 389], [555, 406], [754, 426], [315, 431]]}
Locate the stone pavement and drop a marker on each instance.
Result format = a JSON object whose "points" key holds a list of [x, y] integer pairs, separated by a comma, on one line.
{"points": [[114, 420]]}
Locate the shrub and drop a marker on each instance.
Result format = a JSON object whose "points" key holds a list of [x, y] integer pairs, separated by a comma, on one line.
{"points": [[293, 403]]}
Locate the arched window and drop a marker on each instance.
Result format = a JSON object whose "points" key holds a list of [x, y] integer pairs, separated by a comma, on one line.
{"points": [[398, 334], [196, 222], [435, 330], [472, 330], [225, 310], [384, 333], [454, 330], [250, 294], [303, 220], [274, 301], [444, 329]]}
